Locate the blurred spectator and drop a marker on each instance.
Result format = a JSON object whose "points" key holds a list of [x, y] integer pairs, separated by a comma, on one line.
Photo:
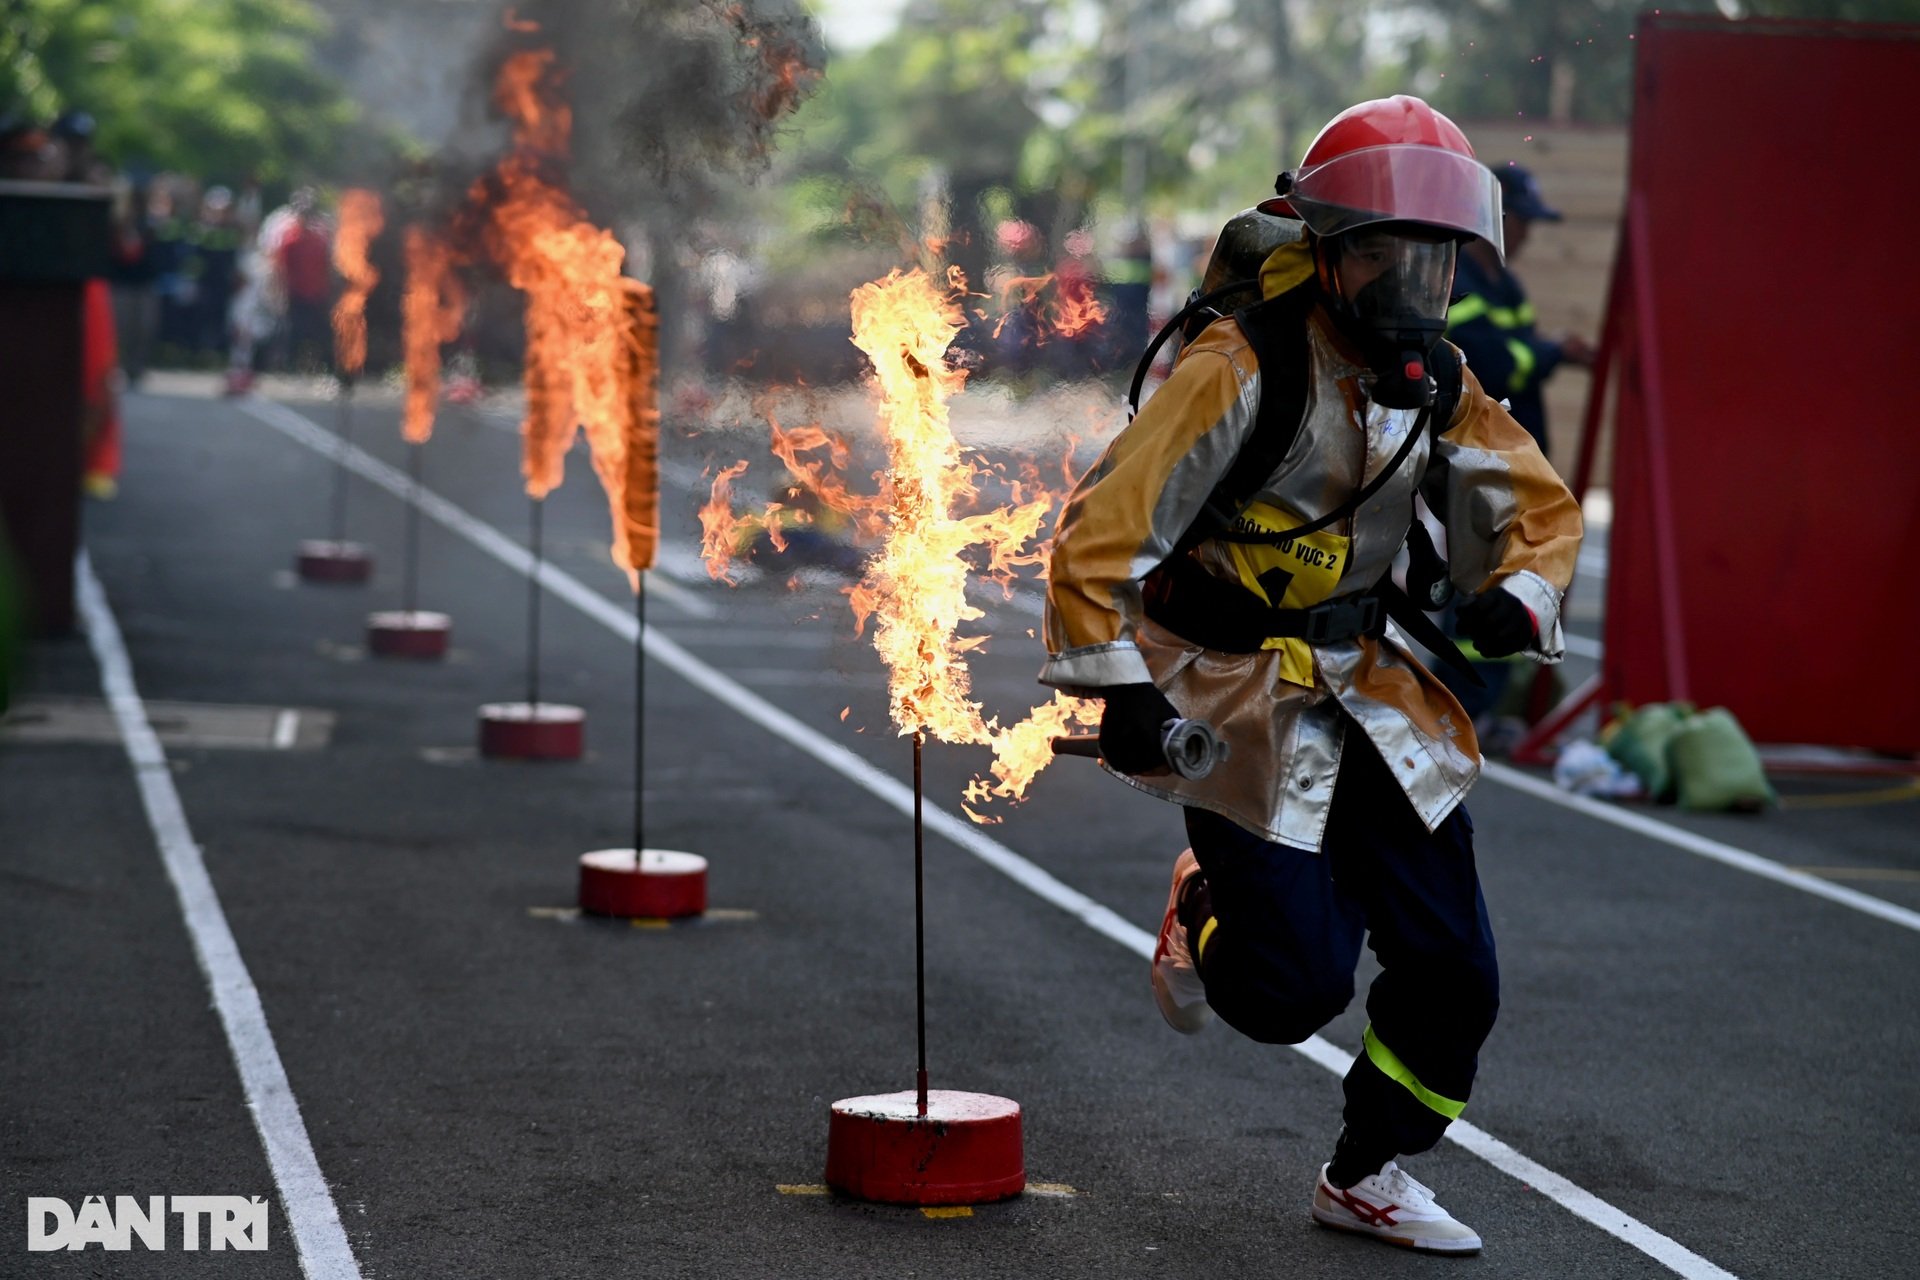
{"points": [[99, 396], [28, 153], [250, 316], [173, 265], [1492, 322], [1129, 285], [247, 206], [1017, 282], [132, 271], [304, 256], [260, 297], [73, 132], [1074, 319], [216, 240]]}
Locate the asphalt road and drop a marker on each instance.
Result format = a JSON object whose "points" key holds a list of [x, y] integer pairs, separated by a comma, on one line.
{"points": [[495, 1087]]}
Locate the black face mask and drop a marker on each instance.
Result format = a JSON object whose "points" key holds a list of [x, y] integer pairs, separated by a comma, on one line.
{"points": [[1397, 341], [1398, 316]]}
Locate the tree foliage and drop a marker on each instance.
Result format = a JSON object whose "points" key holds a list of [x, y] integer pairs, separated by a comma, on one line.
{"points": [[223, 88], [1051, 109], [1570, 60], [1035, 104]]}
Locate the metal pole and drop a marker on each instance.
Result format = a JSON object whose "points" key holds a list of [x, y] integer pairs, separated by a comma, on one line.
{"points": [[344, 434], [533, 609], [639, 712], [410, 569], [919, 927]]}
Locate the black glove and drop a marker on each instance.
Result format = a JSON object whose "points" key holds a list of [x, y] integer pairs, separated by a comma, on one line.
{"points": [[1131, 726], [1496, 622]]}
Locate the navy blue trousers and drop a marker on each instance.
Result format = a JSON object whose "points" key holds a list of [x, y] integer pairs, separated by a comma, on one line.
{"points": [[1279, 962]]}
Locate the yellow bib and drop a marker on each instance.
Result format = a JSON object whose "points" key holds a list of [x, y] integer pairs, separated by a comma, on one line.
{"points": [[1293, 575]]}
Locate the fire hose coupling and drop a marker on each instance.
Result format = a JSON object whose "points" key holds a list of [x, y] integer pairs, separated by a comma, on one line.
{"points": [[1191, 747]]}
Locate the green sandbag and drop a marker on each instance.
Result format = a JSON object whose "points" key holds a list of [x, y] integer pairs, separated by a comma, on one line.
{"points": [[1715, 766], [1641, 745]]}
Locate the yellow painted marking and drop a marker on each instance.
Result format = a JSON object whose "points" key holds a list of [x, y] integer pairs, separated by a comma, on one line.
{"points": [[649, 922], [948, 1211], [802, 1189], [1060, 1189], [1862, 873], [1909, 790]]}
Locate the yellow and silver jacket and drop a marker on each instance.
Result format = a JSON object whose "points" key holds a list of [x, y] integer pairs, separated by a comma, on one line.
{"points": [[1510, 523]]}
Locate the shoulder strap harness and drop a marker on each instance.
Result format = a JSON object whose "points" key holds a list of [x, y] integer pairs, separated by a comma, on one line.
{"points": [[1193, 603]]}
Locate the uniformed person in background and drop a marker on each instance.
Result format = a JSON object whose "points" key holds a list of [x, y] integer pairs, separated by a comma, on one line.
{"points": [[1492, 322]]}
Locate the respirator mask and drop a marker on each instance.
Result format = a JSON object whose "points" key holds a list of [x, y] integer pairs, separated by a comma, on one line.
{"points": [[1388, 293]]}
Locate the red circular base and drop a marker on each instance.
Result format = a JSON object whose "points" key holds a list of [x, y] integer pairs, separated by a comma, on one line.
{"points": [[965, 1150], [322, 561], [545, 731], [666, 885], [403, 634]]}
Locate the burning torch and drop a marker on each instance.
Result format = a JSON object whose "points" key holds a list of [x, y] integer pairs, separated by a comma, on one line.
{"points": [[336, 559]]}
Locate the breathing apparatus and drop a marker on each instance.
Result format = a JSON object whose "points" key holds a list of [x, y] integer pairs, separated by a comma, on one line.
{"points": [[1387, 292]]}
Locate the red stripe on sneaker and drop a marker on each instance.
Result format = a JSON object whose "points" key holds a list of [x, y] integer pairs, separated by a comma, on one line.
{"points": [[1166, 927], [1371, 1214]]}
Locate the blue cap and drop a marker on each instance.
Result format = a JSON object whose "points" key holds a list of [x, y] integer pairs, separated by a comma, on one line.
{"points": [[1520, 195]]}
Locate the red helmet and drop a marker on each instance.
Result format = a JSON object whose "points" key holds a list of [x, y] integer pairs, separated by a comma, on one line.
{"points": [[1394, 160]]}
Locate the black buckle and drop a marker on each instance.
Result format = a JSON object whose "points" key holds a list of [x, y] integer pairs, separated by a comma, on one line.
{"points": [[1341, 619]]}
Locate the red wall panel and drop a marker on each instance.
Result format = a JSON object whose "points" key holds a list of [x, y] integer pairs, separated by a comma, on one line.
{"points": [[1778, 172]]}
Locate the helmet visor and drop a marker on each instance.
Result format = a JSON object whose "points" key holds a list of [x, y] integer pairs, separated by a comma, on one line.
{"points": [[1400, 182], [1394, 282]]}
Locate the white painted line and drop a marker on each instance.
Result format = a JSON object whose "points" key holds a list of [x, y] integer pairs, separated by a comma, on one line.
{"points": [[1680, 838], [286, 726], [436, 508], [1582, 1203], [1096, 916], [684, 563], [304, 1198]]}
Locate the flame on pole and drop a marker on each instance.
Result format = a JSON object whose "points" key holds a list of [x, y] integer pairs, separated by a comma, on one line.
{"points": [[360, 221], [431, 310], [590, 354], [915, 589], [636, 517]]}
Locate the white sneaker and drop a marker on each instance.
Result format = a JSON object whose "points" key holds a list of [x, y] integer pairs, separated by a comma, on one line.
{"points": [[1177, 988], [1391, 1206]]}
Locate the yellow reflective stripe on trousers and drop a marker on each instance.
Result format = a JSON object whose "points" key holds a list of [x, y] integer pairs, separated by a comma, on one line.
{"points": [[1523, 362], [1394, 1069]]}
